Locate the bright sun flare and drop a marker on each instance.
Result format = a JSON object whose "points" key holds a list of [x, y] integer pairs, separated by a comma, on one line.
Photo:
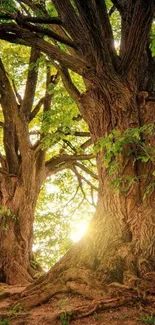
{"points": [[79, 231]]}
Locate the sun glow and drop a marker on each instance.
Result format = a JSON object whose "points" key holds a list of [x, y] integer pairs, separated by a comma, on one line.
{"points": [[78, 231]]}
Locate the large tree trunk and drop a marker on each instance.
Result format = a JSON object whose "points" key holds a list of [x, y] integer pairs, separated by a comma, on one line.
{"points": [[119, 245], [18, 200]]}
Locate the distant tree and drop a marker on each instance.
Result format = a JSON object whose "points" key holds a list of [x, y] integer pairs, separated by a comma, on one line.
{"points": [[118, 106], [38, 141]]}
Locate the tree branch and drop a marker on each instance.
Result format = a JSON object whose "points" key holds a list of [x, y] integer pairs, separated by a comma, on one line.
{"points": [[9, 106], [99, 31], [14, 124], [31, 84], [34, 6], [51, 80], [48, 32], [87, 170], [70, 19], [25, 22], [58, 163], [86, 144], [38, 20], [80, 178], [76, 133], [70, 87], [137, 37], [16, 93], [37, 108], [14, 34], [117, 4], [3, 162]]}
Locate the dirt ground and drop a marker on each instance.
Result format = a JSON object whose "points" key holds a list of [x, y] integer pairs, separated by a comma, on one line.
{"points": [[122, 308]]}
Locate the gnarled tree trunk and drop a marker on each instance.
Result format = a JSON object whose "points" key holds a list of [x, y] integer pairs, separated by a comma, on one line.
{"points": [[18, 200], [120, 241], [119, 245]]}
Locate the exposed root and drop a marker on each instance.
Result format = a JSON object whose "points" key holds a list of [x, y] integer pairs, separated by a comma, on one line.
{"points": [[73, 280], [101, 305], [84, 283], [68, 303], [78, 311]]}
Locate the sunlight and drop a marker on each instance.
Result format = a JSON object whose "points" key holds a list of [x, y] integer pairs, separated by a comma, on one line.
{"points": [[78, 231]]}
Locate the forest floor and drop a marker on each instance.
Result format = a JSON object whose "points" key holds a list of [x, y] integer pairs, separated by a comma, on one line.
{"points": [[122, 308]]}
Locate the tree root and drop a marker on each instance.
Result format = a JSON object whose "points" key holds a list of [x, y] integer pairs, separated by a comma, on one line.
{"points": [[84, 283], [84, 310], [72, 280]]}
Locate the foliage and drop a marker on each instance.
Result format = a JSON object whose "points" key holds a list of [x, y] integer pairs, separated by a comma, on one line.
{"points": [[59, 211], [119, 146], [15, 310], [56, 129], [64, 317], [149, 320], [4, 321]]}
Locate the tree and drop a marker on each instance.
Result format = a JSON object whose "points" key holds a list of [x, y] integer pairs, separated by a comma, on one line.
{"points": [[118, 106], [26, 160]]}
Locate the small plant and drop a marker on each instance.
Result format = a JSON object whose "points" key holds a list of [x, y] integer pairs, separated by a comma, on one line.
{"points": [[4, 321], [149, 320], [64, 317], [15, 310]]}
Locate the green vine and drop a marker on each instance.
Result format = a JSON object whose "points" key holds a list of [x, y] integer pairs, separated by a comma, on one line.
{"points": [[118, 145]]}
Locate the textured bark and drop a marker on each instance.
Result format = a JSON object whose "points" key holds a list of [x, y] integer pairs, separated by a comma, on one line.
{"points": [[18, 201], [119, 244]]}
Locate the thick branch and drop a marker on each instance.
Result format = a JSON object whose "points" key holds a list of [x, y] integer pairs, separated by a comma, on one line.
{"points": [[46, 31], [137, 38], [31, 84], [38, 20], [71, 21], [58, 163], [9, 106], [96, 22], [14, 123], [12, 33], [70, 87]]}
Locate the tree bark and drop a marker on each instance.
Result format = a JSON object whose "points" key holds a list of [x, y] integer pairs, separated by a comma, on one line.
{"points": [[119, 245], [18, 200]]}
